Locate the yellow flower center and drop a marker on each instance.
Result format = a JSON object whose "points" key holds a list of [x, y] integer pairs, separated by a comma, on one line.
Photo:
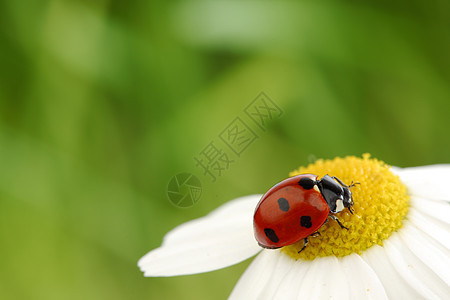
{"points": [[381, 203]]}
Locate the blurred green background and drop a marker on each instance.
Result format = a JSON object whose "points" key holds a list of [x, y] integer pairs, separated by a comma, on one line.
{"points": [[102, 102]]}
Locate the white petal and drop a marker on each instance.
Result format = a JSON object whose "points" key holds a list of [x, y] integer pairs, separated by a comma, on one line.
{"points": [[437, 230], [396, 170], [240, 210], [268, 268], [220, 239], [239, 205], [363, 281], [395, 285], [418, 275], [439, 210], [433, 255], [289, 287], [273, 275], [284, 266], [325, 279], [429, 182]]}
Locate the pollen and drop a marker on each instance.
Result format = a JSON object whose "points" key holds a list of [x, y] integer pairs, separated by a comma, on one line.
{"points": [[381, 204]]}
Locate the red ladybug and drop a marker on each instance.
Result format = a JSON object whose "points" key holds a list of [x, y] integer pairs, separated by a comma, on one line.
{"points": [[297, 207]]}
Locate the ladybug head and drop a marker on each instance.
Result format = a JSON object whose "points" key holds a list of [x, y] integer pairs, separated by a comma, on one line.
{"points": [[336, 193], [347, 199]]}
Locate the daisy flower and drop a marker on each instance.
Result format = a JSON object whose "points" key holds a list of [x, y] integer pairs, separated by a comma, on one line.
{"points": [[397, 245]]}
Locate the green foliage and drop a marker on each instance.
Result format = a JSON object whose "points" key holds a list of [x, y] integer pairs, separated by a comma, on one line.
{"points": [[102, 102]]}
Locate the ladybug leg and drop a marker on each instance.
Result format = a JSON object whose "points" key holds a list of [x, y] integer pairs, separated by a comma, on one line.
{"points": [[337, 220], [305, 242]]}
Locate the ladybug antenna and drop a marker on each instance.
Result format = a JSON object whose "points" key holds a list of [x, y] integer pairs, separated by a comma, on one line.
{"points": [[353, 184], [350, 209]]}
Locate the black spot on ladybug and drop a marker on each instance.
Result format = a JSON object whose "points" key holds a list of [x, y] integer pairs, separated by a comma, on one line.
{"points": [[283, 204], [271, 235], [305, 221], [306, 183]]}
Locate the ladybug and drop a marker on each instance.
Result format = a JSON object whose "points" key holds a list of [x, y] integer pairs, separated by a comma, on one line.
{"points": [[297, 207]]}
